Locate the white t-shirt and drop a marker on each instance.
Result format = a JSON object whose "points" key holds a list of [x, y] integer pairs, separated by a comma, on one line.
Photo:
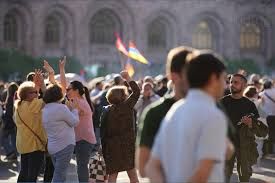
{"points": [[194, 129]]}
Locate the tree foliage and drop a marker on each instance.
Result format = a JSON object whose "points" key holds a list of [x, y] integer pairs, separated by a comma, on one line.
{"points": [[248, 65], [15, 65]]}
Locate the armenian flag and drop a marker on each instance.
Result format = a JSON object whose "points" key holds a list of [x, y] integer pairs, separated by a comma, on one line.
{"points": [[129, 68], [135, 54], [120, 46]]}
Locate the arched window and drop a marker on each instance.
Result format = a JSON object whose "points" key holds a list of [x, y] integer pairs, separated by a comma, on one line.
{"points": [[250, 36], [202, 36], [52, 30], [103, 26], [10, 28], [157, 34]]}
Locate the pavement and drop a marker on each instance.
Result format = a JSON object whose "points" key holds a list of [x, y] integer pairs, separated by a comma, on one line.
{"points": [[9, 172]]}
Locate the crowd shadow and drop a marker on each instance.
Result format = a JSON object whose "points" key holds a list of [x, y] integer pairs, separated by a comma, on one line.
{"points": [[267, 174], [8, 170]]}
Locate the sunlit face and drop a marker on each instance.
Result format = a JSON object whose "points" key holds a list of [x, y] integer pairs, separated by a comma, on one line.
{"points": [[237, 85], [32, 94]]}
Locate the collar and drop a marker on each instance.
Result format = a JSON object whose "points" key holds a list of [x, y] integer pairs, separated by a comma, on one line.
{"points": [[200, 95]]}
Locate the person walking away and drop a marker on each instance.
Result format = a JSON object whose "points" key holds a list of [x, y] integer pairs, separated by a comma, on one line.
{"points": [[152, 116], [200, 154]]}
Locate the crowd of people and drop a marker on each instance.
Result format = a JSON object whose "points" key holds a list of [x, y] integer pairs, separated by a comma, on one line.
{"points": [[190, 125]]}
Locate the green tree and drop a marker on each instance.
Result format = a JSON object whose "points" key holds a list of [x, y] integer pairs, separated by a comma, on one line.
{"points": [[248, 65], [72, 65], [16, 65]]}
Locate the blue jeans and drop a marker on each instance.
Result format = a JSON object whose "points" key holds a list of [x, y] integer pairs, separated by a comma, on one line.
{"points": [[83, 150], [61, 162]]}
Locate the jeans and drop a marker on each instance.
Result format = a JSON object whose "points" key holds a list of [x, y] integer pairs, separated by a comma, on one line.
{"points": [[61, 162], [83, 150], [9, 141], [30, 166]]}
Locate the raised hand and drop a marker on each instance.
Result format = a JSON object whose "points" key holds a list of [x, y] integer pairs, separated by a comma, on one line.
{"points": [[247, 121], [38, 78], [125, 75], [62, 63], [73, 104], [48, 67]]}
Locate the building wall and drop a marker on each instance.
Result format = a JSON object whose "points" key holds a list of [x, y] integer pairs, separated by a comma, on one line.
{"points": [[180, 17]]}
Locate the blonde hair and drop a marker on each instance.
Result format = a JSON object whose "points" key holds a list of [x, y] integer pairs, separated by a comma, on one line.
{"points": [[117, 94], [23, 90]]}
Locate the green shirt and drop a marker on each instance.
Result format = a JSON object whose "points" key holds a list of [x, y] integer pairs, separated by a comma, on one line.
{"points": [[151, 118]]}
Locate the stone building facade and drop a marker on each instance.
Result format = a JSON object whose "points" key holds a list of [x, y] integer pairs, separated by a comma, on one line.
{"points": [[85, 29]]}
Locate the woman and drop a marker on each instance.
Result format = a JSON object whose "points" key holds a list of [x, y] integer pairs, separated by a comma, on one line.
{"points": [[84, 131], [59, 123], [118, 142], [9, 130], [31, 138]]}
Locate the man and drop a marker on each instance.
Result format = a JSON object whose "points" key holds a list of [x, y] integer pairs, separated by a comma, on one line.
{"points": [[154, 113], [188, 147], [243, 114], [162, 85]]}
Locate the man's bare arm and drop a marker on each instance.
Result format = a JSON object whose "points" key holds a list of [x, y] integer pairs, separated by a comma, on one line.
{"points": [[142, 158], [154, 171], [203, 171]]}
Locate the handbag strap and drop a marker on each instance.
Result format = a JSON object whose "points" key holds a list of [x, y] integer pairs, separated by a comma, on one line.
{"points": [[269, 97], [43, 143]]}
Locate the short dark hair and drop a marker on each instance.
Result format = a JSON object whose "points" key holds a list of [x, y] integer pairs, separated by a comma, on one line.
{"points": [[250, 91], [268, 84], [176, 59], [240, 76], [201, 65], [117, 79], [53, 93]]}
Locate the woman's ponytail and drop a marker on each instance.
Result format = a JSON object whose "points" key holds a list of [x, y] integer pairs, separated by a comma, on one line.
{"points": [[87, 96]]}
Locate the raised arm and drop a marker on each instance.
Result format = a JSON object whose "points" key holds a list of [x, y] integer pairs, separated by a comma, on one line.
{"points": [[154, 171], [39, 81], [133, 98], [50, 71], [62, 74]]}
